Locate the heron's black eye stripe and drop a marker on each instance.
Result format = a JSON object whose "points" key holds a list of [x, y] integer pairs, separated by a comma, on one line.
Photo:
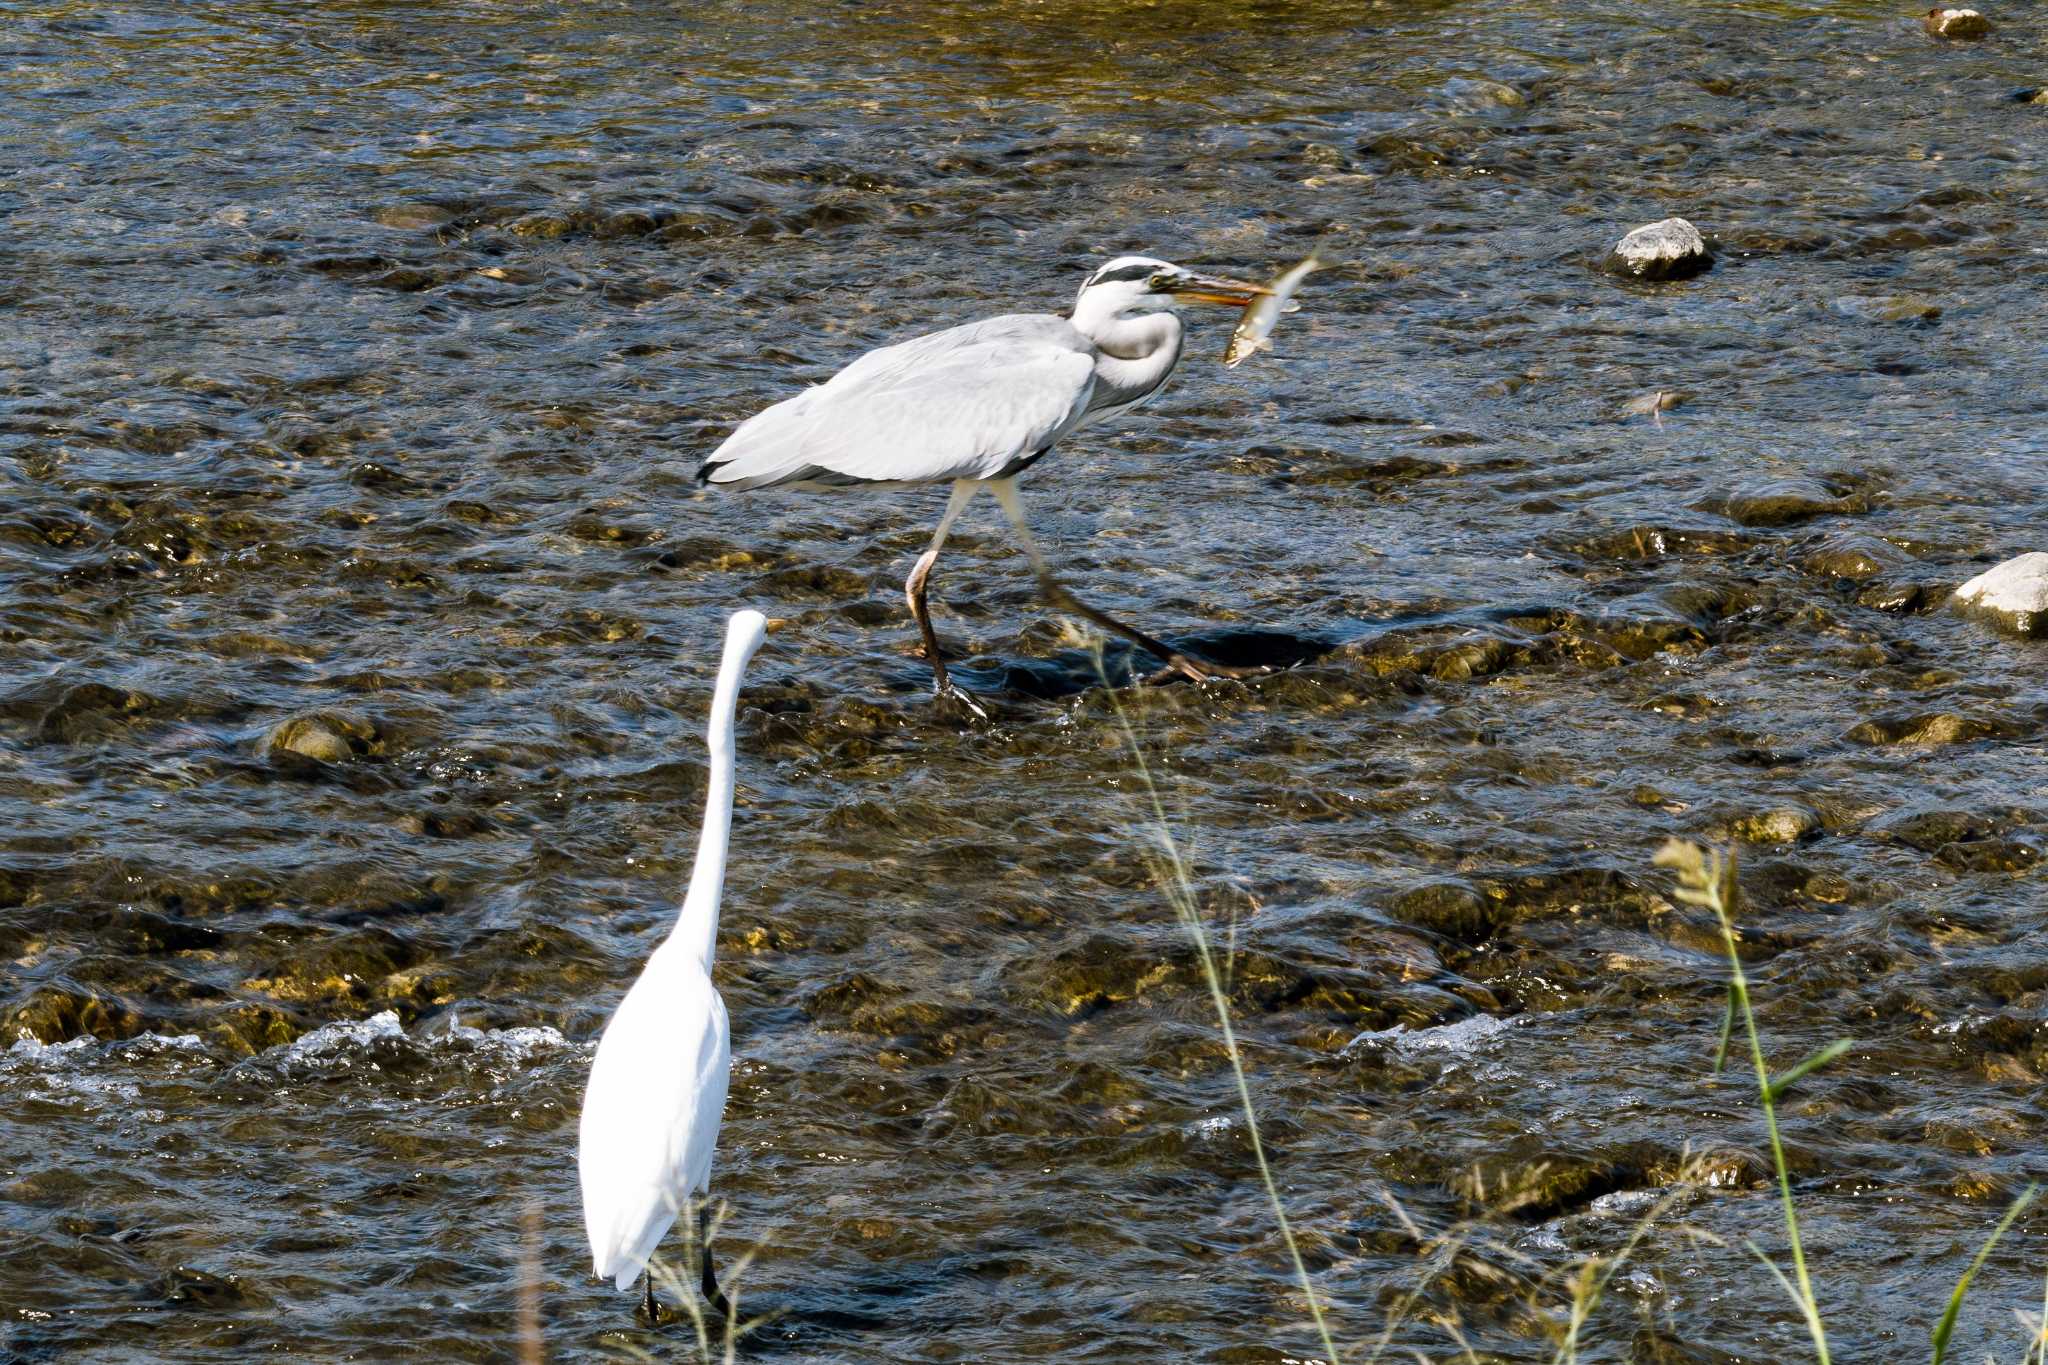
{"points": [[1125, 272]]}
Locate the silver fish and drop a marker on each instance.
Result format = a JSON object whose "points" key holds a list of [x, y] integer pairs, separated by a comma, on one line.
{"points": [[1262, 314]]}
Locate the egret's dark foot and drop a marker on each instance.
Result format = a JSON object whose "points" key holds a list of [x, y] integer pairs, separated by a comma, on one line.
{"points": [[649, 1309], [953, 704]]}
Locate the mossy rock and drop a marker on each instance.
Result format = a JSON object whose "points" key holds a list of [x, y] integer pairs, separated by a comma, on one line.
{"points": [[1452, 909], [1780, 825], [1783, 504], [1857, 558], [1936, 727], [53, 1015], [1928, 830], [1992, 855], [90, 710]]}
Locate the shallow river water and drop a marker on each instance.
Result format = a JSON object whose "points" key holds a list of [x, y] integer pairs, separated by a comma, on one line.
{"points": [[354, 363]]}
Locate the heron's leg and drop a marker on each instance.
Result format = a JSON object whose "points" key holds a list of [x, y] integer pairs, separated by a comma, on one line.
{"points": [[647, 1304], [1060, 596], [712, 1293], [920, 577]]}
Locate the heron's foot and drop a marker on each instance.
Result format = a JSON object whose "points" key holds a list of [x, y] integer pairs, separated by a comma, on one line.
{"points": [[649, 1311], [951, 703], [1181, 666]]}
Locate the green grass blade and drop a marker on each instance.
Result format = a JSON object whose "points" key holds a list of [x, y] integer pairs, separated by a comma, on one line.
{"points": [[1947, 1325], [1785, 1080], [1727, 1032]]}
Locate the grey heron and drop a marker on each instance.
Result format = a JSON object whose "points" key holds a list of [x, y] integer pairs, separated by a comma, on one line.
{"points": [[977, 405]]}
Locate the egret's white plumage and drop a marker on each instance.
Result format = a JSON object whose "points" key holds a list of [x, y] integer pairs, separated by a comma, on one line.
{"points": [[978, 404], [658, 1083]]}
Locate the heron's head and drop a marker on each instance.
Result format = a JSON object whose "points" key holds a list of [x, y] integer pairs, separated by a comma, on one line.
{"points": [[1144, 284]]}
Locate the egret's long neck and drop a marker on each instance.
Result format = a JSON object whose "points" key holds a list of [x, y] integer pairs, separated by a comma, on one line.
{"points": [[697, 926]]}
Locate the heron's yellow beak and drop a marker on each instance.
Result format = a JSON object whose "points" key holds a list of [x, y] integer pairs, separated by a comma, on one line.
{"points": [[1216, 289]]}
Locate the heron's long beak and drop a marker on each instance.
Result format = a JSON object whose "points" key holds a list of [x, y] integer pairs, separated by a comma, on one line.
{"points": [[1216, 289]]}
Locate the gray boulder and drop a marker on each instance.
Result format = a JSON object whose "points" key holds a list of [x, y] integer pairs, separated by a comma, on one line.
{"points": [[1670, 250], [2012, 597]]}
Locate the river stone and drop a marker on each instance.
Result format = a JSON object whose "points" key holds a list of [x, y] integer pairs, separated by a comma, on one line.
{"points": [[1669, 250], [1854, 557], [1934, 727], [1781, 502], [2013, 597], [1990, 855], [1892, 597], [1450, 908], [325, 736], [1928, 830], [1783, 825], [1943, 22]]}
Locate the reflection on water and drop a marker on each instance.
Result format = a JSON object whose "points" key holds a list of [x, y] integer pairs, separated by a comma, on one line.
{"points": [[360, 612]]}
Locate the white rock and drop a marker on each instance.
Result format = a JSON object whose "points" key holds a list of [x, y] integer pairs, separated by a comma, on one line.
{"points": [[2013, 596], [1669, 250]]}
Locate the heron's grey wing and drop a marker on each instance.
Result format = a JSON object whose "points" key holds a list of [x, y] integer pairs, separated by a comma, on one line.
{"points": [[966, 403]]}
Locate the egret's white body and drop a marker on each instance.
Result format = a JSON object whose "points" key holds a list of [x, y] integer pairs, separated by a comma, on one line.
{"points": [[658, 1083], [978, 404]]}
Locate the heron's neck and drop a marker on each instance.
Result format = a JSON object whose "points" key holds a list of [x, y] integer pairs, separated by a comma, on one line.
{"points": [[1138, 350], [696, 928]]}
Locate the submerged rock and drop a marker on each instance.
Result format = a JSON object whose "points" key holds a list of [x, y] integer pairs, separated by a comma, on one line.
{"points": [[1668, 250], [1451, 908], [1783, 502], [1857, 558], [1944, 22], [2013, 596], [325, 736], [1934, 727], [1784, 825]]}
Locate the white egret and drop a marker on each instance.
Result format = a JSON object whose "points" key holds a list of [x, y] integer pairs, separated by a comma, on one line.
{"points": [[658, 1082], [979, 404]]}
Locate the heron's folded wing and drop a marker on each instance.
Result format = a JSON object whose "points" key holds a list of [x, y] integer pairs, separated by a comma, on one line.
{"points": [[963, 404]]}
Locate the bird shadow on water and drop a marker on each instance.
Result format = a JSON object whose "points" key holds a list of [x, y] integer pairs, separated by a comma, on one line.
{"points": [[1072, 671]]}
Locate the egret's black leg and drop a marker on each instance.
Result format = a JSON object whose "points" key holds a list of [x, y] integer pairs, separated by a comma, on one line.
{"points": [[712, 1293], [1059, 595], [647, 1304]]}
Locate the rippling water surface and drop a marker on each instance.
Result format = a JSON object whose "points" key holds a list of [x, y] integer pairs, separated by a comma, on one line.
{"points": [[354, 362]]}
